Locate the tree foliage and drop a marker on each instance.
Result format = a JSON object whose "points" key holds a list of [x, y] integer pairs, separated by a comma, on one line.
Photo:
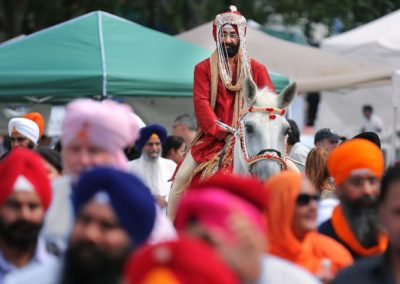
{"points": [[174, 16]]}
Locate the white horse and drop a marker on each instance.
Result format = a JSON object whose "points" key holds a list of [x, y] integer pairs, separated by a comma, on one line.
{"points": [[260, 139]]}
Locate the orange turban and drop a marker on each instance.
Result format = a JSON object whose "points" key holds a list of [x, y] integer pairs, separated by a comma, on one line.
{"points": [[37, 118], [353, 155]]}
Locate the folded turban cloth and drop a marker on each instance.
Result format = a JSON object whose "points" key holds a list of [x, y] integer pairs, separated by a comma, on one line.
{"points": [[212, 207], [129, 197], [38, 119], [352, 156], [249, 188], [25, 127], [107, 124], [146, 132], [185, 261], [24, 170], [371, 136]]}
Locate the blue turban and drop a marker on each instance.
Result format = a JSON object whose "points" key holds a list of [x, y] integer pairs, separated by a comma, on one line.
{"points": [[146, 132], [129, 197]]}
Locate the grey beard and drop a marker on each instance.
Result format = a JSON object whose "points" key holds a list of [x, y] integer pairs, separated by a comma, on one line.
{"points": [[363, 221]]}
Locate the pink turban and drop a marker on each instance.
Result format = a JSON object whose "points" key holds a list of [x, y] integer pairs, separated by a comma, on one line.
{"points": [[212, 207], [107, 124]]}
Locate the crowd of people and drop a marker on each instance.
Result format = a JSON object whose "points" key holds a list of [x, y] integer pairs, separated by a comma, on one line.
{"points": [[115, 200]]}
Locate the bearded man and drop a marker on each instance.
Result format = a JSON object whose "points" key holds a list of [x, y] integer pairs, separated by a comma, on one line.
{"points": [[218, 95], [25, 195], [115, 214], [154, 170], [357, 167]]}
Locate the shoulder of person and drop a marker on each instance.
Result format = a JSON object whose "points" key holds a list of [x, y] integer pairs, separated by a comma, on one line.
{"points": [[363, 271], [255, 62], [205, 64], [279, 270], [47, 273], [168, 162]]}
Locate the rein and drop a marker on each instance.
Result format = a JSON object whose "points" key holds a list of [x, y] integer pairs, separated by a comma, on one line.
{"points": [[264, 154]]}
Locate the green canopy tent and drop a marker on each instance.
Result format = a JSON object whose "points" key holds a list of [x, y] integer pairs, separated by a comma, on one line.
{"points": [[99, 55]]}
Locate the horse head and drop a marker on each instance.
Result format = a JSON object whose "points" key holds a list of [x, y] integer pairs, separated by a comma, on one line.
{"points": [[260, 146]]}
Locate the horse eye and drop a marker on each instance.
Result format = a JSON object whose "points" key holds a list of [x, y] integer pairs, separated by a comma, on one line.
{"points": [[249, 128]]}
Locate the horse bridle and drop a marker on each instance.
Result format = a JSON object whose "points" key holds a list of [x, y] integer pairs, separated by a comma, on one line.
{"points": [[264, 154]]}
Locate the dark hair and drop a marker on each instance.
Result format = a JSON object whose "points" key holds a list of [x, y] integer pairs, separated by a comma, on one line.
{"points": [[172, 142], [391, 175], [187, 119], [294, 133], [367, 107], [52, 157]]}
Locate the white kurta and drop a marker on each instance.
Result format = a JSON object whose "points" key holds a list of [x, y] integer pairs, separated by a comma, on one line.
{"points": [[154, 173]]}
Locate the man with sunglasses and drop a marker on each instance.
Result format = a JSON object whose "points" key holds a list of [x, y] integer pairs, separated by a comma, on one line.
{"points": [[357, 167], [218, 95]]}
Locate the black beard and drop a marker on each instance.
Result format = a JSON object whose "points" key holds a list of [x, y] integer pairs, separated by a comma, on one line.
{"points": [[88, 263], [362, 215], [230, 50], [20, 235]]}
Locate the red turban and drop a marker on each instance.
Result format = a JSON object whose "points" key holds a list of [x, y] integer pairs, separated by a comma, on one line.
{"points": [[355, 155], [24, 170], [178, 262], [249, 188]]}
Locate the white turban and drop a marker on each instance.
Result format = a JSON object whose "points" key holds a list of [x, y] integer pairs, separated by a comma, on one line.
{"points": [[25, 127]]}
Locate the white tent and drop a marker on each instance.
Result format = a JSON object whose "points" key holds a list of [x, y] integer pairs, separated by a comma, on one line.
{"points": [[379, 43], [311, 68]]}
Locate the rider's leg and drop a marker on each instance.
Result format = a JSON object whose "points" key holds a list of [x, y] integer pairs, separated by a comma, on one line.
{"points": [[180, 184]]}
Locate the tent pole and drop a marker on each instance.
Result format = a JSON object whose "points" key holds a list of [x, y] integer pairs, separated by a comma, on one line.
{"points": [[395, 100]]}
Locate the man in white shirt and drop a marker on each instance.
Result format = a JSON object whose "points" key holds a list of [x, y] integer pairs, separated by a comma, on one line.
{"points": [[154, 170], [371, 122]]}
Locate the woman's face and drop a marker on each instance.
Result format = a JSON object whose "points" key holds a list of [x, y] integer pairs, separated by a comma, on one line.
{"points": [[305, 210]]}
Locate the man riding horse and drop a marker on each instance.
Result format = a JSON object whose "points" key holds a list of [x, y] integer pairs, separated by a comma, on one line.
{"points": [[218, 96]]}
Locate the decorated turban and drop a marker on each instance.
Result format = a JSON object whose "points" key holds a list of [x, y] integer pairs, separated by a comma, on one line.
{"points": [[212, 207], [147, 132], [25, 127], [185, 261], [38, 119], [24, 170], [107, 124], [249, 188], [130, 199], [355, 156], [231, 17]]}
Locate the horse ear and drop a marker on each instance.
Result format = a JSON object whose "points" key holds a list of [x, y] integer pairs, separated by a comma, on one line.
{"points": [[287, 95], [250, 91]]}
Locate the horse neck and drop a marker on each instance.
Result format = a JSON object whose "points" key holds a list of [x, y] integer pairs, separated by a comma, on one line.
{"points": [[239, 163]]}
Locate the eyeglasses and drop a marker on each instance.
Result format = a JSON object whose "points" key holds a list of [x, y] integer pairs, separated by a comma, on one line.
{"points": [[304, 198], [230, 35]]}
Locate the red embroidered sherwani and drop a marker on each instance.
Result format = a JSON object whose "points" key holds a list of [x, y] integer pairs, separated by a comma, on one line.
{"points": [[212, 140]]}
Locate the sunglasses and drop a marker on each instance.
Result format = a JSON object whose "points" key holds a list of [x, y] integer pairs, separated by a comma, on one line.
{"points": [[304, 198]]}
